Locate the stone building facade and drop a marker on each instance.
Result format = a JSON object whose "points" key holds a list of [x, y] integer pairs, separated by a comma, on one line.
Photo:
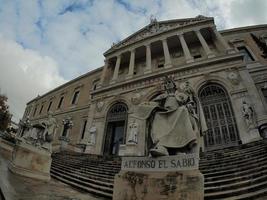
{"points": [[226, 69]]}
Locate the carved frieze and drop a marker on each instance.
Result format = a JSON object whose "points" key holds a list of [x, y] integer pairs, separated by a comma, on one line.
{"points": [[154, 28]]}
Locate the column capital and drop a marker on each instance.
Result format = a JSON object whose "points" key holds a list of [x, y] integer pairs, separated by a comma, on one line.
{"points": [[197, 30], [147, 44], [164, 39], [132, 50], [180, 33]]}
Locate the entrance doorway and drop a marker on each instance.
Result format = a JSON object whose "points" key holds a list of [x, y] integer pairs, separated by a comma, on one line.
{"points": [[222, 130], [115, 129]]}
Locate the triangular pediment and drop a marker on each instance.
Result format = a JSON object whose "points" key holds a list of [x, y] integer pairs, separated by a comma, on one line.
{"points": [[156, 27]]}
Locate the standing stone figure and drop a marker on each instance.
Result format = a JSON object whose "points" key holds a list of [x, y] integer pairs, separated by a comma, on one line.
{"points": [[92, 131], [133, 136], [25, 126], [50, 126], [248, 114], [176, 120]]}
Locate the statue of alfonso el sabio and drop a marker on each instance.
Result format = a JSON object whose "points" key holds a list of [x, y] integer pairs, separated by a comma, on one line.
{"points": [[175, 120], [173, 124]]}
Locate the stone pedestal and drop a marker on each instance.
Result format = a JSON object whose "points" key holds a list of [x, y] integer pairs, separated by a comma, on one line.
{"points": [[170, 178], [187, 185], [31, 161], [6, 148]]}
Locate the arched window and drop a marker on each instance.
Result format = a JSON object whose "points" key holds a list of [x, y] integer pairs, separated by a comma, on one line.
{"points": [[115, 128], [222, 130]]}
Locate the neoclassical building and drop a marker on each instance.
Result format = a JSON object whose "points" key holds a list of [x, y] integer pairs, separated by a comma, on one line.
{"points": [[227, 70]]}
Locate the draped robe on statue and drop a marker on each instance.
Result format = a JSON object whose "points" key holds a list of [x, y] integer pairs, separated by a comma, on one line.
{"points": [[173, 126]]}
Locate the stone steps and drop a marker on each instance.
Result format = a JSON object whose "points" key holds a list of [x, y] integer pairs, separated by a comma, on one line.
{"points": [[232, 150], [230, 159], [232, 180], [105, 177], [235, 170], [81, 186], [89, 169], [258, 158], [231, 173], [236, 192]]}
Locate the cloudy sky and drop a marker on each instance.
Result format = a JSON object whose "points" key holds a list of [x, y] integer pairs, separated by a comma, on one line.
{"points": [[44, 43]]}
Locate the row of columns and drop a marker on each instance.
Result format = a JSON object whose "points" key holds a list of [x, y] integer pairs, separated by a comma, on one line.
{"points": [[168, 63]]}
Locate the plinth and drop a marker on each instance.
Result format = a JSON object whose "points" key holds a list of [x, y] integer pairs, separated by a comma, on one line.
{"points": [[170, 178], [31, 161]]}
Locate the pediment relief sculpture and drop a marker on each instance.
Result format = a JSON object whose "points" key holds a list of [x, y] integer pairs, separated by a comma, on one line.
{"points": [[156, 27]]}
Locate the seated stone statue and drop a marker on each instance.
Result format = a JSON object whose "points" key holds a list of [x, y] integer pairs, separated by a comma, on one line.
{"points": [[175, 121]]}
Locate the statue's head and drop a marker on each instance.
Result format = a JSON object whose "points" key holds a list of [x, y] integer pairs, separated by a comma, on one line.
{"points": [[169, 85]]}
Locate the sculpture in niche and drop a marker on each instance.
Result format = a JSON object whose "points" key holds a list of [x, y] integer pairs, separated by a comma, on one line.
{"points": [[67, 124], [248, 115], [133, 133], [234, 78], [92, 131], [99, 106], [175, 120]]}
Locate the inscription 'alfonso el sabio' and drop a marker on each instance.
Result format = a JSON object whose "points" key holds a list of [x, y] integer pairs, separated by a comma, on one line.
{"points": [[165, 163]]}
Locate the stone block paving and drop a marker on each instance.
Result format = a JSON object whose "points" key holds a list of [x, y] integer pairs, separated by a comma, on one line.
{"points": [[16, 187]]}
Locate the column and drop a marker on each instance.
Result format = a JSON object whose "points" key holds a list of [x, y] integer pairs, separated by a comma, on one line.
{"points": [[148, 68], [166, 54], [187, 54], [225, 45], [131, 65], [116, 70], [104, 72], [204, 44]]}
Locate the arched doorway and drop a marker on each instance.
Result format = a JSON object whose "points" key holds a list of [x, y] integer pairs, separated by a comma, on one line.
{"points": [[222, 130], [115, 128]]}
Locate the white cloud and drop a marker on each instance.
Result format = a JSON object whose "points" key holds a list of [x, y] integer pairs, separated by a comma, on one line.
{"points": [[24, 74], [75, 34]]}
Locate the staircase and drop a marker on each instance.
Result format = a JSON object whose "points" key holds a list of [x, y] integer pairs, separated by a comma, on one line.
{"points": [[232, 173], [93, 174], [236, 173]]}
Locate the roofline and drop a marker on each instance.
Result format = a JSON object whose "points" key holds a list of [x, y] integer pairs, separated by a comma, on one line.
{"points": [[244, 28], [65, 84], [164, 21]]}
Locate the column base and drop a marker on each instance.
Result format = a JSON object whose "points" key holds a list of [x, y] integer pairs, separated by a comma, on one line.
{"points": [[112, 81], [230, 51], [189, 60], [128, 76], [147, 71], [211, 55], [169, 65]]}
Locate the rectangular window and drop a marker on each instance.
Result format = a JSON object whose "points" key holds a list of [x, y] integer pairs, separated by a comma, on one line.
{"points": [[264, 92], [41, 109], [247, 56], [75, 97], [84, 128], [34, 112], [49, 106], [60, 102]]}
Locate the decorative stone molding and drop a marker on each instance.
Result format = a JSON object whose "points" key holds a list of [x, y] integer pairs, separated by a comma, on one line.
{"points": [[233, 77]]}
